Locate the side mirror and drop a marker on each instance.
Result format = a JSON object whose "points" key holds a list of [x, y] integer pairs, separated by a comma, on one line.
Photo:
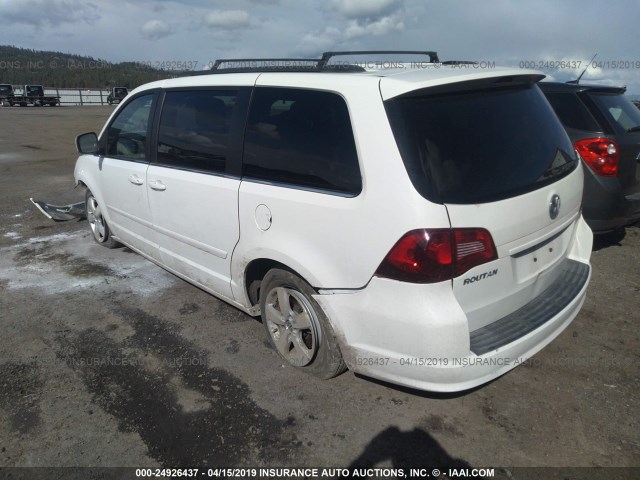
{"points": [[87, 143]]}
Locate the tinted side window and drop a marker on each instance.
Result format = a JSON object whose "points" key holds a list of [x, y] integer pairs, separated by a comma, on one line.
{"points": [[302, 138], [195, 128], [127, 134], [572, 112]]}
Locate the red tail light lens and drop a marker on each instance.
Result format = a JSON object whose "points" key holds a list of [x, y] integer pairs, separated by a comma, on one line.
{"points": [[434, 255], [600, 154], [474, 246]]}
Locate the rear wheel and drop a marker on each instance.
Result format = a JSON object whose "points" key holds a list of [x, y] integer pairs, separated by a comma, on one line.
{"points": [[296, 325], [97, 222]]}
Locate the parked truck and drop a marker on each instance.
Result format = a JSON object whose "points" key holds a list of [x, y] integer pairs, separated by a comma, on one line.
{"points": [[34, 95], [117, 94], [37, 98], [7, 95], [31, 95]]}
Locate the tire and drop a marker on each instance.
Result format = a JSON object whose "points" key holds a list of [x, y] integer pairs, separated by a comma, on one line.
{"points": [[97, 222], [302, 335]]}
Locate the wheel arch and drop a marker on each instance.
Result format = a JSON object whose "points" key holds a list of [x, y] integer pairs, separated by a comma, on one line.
{"points": [[255, 271], [85, 177]]}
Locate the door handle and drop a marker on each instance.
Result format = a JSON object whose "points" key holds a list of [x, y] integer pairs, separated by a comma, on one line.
{"points": [[157, 185], [135, 179]]}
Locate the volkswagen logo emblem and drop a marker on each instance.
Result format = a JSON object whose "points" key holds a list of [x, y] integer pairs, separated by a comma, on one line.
{"points": [[554, 206]]}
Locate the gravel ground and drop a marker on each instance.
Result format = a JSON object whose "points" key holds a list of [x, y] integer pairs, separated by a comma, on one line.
{"points": [[108, 360]]}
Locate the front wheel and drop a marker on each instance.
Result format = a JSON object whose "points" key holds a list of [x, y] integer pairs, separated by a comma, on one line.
{"points": [[296, 325], [97, 222]]}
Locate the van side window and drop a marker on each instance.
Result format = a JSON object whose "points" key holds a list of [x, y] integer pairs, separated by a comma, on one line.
{"points": [[302, 138], [195, 128], [127, 134]]}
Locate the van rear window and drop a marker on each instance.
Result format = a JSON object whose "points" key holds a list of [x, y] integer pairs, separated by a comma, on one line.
{"points": [[480, 145]]}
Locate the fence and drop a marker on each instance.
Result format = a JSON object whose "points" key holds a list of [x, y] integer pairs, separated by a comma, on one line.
{"points": [[76, 96], [97, 96], [79, 96]]}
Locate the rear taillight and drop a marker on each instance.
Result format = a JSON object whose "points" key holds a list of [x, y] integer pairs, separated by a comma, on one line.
{"points": [[434, 255], [600, 154]]}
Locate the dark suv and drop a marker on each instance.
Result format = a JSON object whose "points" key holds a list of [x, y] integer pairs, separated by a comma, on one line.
{"points": [[604, 127]]}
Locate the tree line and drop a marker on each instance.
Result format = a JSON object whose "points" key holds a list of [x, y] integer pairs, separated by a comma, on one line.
{"points": [[23, 66]]}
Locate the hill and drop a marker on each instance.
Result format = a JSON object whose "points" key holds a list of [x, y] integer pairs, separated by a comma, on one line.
{"points": [[20, 66]]}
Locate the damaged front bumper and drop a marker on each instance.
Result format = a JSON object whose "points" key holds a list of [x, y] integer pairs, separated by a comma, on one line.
{"points": [[61, 213]]}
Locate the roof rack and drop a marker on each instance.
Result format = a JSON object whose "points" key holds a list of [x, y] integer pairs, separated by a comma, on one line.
{"points": [[326, 56], [221, 61], [305, 64], [459, 62]]}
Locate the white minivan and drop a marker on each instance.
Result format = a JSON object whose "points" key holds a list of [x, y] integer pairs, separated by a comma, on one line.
{"points": [[419, 223]]}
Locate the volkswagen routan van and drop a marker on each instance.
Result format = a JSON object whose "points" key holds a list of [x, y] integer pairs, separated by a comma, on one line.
{"points": [[419, 223]]}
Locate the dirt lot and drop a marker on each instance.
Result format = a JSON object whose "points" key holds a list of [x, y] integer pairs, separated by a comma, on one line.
{"points": [[107, 360]]}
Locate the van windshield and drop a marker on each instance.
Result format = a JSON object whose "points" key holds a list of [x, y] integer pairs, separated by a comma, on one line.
{"points": [[480, 145]]}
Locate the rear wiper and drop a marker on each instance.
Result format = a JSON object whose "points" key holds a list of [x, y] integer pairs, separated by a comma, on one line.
{"points": [[555, 171], [634, 129]]}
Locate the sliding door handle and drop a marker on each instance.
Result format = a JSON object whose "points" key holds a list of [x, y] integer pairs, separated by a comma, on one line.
{"points": [[157, 185], [135, 179]]}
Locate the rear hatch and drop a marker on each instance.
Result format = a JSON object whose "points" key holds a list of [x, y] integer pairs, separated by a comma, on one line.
{"points": [[494, 153], [623, 117]]}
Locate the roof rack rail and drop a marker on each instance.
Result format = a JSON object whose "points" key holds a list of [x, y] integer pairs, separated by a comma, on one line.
{"points": [[326, 56], [459, 62], [264, 61], [298, 64]]}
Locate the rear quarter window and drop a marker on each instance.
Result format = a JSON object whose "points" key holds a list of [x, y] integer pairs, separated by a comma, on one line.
{"points": [[480, 145], [301, 138]]}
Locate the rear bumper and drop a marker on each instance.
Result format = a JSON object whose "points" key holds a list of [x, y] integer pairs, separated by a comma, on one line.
{"points": [[549, 304], [418, 336]]}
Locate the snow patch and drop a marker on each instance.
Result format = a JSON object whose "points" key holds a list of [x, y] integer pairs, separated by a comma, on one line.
{"points": [[66, 262]]}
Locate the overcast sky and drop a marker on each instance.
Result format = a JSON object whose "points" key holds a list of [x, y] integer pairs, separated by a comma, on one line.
{"points": [[507, 32]]}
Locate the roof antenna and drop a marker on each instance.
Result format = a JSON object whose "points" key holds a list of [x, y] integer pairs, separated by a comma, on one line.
{"points": [[577, 81]]}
